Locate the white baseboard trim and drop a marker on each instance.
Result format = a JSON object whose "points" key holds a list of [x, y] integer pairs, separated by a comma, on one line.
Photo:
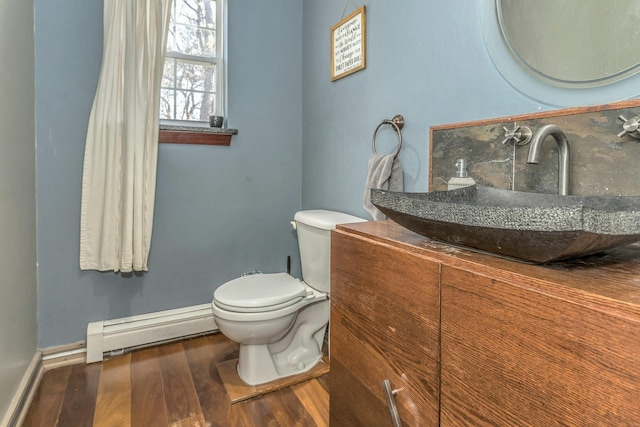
{"points": [[19, 406], [64, 355], [118, 335]]}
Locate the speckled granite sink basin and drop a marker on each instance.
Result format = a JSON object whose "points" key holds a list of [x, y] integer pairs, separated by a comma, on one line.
{"points": [[529, 227]]}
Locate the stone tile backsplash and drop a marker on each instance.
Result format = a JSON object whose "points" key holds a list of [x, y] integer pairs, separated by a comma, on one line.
{"points": [[601, 162]]}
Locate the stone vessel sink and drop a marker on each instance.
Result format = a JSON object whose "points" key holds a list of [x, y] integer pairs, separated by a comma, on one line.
{"points": [[530, 227]]}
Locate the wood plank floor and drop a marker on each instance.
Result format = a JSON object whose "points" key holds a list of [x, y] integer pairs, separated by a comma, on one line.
{"points": [[175, 385]]}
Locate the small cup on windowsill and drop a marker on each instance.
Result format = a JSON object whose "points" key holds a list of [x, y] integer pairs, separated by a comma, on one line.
{"points": [[216, 121]]}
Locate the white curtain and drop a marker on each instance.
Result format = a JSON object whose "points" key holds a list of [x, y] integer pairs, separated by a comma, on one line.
{"points": [[119, 174]]}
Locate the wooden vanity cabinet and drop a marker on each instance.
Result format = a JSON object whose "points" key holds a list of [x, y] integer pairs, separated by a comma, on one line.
{"points": [[519, 353], [384, 326], [475, 340]]}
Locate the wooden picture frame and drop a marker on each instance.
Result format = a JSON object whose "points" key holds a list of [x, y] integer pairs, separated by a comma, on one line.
{"points": [[348, 44]]}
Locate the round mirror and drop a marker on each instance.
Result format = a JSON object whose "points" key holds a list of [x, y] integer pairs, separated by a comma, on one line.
{"points": [[565, 53], [573, 42]]}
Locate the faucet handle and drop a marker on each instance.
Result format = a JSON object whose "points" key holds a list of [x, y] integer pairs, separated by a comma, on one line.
{"points": [[630, 127], [520, 135]]}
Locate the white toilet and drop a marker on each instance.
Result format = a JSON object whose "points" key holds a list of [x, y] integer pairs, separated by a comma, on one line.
{"points": [[279, 321]]}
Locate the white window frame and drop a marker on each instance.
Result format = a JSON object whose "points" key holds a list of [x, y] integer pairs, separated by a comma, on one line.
{"points": [[219, 60]]}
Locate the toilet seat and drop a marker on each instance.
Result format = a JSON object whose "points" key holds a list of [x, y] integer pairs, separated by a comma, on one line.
{"points": [[259, 293]]}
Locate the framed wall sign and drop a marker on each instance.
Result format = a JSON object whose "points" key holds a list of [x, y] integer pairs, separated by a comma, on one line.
{"points": [[348, 45]]}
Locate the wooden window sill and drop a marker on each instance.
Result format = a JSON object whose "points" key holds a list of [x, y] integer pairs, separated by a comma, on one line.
{"points": [[172, 134]]}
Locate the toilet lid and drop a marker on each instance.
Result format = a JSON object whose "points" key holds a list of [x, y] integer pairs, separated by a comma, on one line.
{"points": [[259, 292]]}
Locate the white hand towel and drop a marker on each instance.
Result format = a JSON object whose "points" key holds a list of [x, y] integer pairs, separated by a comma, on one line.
{"points": [[385, 173]]}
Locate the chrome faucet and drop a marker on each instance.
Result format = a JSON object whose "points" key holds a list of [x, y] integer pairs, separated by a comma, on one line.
{"points": [[563, 153]]}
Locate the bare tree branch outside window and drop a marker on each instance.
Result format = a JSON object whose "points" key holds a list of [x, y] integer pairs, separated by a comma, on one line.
{"points": [[189, 80]]}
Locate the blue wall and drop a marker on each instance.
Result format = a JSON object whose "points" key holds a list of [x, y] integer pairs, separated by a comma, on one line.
{"points": [[304, 142], [425, 60], [219, 211]]}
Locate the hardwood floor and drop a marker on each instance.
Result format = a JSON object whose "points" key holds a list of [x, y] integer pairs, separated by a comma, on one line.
{"points": [[175, 385]]}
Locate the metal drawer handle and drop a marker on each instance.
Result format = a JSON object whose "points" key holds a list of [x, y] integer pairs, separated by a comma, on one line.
{"points": [[389, 393]]}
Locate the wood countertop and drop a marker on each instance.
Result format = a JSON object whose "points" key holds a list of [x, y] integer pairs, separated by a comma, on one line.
{"points": [[608, 281]]}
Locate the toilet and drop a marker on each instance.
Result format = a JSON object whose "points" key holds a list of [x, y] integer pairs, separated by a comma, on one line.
{"points": [[279, 321]]}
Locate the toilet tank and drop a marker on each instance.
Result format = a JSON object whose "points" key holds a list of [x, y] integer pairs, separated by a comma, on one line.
{"points": [[314, 241]]}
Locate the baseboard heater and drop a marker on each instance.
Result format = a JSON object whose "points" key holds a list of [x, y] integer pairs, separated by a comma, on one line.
{"points": [[118, 335]]}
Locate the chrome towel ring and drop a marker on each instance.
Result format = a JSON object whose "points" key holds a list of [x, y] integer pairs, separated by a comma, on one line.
{"points": [[398, 123]]}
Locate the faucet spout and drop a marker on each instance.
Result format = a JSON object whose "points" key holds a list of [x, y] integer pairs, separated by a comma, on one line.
{"points": [[563, 153]]}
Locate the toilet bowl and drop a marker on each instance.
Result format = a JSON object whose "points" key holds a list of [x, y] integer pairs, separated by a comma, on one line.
{"points": [[279, 321]]}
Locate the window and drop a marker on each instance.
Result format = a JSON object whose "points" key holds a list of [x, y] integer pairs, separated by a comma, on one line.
{"points": [[192, 83]]}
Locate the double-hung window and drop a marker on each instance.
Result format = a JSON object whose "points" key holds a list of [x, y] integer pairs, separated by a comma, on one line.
{"points": [[192, 83]]}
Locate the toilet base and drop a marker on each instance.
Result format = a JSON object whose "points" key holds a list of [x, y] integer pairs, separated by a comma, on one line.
{"points": [[298, 352], [258, 365], [252, 374]]}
